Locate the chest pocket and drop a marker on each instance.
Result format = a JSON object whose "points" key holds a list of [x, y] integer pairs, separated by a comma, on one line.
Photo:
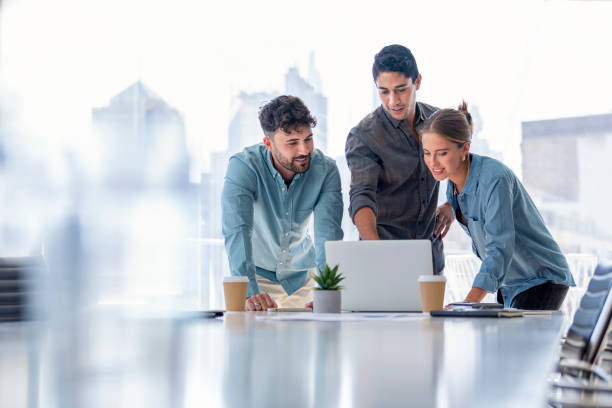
{"points": [[403, 167], [477, 233]]}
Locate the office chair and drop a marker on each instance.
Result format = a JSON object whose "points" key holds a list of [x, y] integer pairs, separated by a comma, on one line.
{"points": [[583, 377], [17, 282], [592, 317]]}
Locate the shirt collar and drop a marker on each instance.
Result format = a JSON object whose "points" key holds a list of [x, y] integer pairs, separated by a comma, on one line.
{"points": [[270, 164], [419, 116], [473, 176]]}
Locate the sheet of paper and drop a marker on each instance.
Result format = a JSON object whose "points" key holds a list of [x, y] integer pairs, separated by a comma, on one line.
{"points": [[342, 317]]}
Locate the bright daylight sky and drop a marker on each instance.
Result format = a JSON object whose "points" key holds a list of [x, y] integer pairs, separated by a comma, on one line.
{"points": [[516, 60]]}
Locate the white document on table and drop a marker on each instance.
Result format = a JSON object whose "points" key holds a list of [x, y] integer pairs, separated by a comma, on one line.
{"points": [[342, 317]]}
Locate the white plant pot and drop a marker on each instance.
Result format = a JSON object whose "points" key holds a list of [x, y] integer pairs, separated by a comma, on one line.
{"points": [[327, 301]]}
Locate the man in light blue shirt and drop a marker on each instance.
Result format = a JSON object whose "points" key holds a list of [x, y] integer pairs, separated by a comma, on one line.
{"points": [[270, 192]]}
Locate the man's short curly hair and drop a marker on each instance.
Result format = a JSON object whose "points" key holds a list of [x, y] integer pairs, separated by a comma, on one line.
{"points": [[284, 112], [395, 58]]}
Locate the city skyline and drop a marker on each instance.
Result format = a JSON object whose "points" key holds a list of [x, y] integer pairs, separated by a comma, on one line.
{"points": [[516, 61], [563, 199], [129, 112]]}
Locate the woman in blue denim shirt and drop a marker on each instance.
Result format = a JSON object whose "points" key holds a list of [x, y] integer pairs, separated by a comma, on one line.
{"points": [[520, 259]]}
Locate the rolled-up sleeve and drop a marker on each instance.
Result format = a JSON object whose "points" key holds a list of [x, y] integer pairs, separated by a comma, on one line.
{"points": [[328, 215], [500, 236], [237, 220], [365, 170]]}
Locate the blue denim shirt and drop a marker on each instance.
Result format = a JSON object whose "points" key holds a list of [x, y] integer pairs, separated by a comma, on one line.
{"points": [[508, 233], [265, 223]]}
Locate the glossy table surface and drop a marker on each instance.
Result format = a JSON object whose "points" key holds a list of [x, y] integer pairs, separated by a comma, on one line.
{"points": [[240, 361]]}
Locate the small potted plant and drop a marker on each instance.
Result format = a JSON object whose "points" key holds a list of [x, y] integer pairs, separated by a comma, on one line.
{"points": [[327, 296]]}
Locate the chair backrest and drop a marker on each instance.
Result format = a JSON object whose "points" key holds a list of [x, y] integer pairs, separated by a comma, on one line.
{"points": [[17, 277], [592, 318]]}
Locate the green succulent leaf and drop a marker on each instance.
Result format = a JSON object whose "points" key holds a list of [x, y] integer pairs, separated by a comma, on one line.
{"points": [[328, 278]]}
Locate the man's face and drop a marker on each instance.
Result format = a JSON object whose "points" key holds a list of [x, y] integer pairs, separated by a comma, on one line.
{"points": [[291, 152], [397, 93]]}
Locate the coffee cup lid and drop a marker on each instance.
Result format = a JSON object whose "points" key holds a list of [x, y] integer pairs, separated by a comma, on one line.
{"points": [[432, 278], [230, 279]]}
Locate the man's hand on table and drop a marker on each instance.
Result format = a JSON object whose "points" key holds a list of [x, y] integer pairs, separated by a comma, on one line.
{"points": [[261, 301]]}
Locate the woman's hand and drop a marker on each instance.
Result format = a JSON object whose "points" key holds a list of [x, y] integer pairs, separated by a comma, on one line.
{"points": [[475, 295], [444, 219]]}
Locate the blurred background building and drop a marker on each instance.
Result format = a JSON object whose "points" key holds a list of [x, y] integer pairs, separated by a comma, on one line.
{"points": [[565, 164], [144, 168], [143, 140]]}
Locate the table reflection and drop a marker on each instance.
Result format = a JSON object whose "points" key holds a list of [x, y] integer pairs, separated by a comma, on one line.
{"points": [[118, 361], [487, 367]]}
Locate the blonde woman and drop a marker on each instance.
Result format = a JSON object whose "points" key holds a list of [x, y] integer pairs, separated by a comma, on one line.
{"points": [[520, 258]]}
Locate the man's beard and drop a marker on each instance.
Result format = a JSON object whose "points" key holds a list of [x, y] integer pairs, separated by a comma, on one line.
{"points": [[292, 165]]}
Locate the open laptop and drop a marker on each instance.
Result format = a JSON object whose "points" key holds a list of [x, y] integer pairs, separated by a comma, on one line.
{"points": [[381, 276]]}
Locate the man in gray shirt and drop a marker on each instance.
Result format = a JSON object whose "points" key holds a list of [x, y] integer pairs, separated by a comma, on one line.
{"points": [[393, 195]]}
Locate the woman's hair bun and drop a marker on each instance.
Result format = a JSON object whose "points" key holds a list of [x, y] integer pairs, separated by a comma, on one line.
{"points": [[464, 109]]}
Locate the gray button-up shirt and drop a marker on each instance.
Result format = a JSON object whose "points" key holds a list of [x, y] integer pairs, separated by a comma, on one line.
{"points": [[389, 175]]}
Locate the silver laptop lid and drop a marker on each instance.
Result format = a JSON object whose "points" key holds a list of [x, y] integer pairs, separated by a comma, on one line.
{"points": [[381, 275]]}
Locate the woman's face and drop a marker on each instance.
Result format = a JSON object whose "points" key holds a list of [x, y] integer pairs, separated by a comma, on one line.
{"points": [[443, 157]]}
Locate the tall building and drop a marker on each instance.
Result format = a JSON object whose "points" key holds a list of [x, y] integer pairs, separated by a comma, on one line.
{"points": [[145, 167], [566, 163], [314, 76], [314, 100], [142, 140], [244, 128]]}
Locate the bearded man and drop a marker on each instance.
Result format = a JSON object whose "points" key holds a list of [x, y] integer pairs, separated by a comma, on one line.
{"points": [[271, 190]]}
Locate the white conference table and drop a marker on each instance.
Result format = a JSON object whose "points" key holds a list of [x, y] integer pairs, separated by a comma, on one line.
{"points": [[240, 361], [421, 362]]}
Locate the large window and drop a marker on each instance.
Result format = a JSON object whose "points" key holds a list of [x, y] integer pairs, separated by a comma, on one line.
{"points": [[118, 117]]}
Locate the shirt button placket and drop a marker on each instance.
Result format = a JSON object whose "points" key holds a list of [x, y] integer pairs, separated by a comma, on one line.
{"points": [[287, 222], [285, 201], [423, 210], [283, 254]]}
